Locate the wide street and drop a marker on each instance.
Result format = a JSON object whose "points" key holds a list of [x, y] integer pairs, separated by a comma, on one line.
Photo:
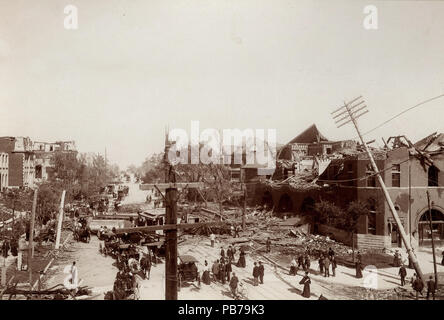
{"points": [[98, 272]]}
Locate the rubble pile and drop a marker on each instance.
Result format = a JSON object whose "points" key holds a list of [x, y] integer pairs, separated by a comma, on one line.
{"points": [[300, 181]]}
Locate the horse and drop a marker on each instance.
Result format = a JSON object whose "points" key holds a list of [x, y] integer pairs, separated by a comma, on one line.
{"points": [[83, 234]]}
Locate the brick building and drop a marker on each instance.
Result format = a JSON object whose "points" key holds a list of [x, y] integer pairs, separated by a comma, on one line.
{"points": [[4, 170], [408, 173], [21, 160], [44, 152]]}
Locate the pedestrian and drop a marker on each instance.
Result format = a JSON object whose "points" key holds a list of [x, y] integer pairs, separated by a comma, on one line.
{"points": [[222, 253], [402, 273], [233, 285], [268, 243], [5, 248], [442, 261], [396, 259], [307, 262], [333, 266], [300, 261], [228, 269], [431, 288], [321, 264], [293, 266], [417, 285], [212, 239], [215, 270], [241, 263], [236, 231], [22, 248], [261, 272], [306, 282], [326, 266], [331, 253], [206, 274], [232, 233], [136, 283], [255, 274], [222, 274], [359, 257], [358, 267], [229, 253], [74, 276]]}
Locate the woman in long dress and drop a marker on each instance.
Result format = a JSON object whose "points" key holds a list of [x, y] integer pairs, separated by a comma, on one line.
{"points": [[306, 282], [241, 263]]}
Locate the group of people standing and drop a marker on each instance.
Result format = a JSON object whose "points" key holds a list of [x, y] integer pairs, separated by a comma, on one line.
{"points": [[132, 267], [258, 273], [303, 262], [327, 260]]}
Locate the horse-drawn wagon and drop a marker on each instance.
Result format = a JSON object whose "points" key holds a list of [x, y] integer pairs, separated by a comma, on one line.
{"points": [[187, 269]]}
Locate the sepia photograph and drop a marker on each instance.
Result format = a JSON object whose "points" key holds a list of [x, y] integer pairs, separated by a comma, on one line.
{"points": [[223, 154]]}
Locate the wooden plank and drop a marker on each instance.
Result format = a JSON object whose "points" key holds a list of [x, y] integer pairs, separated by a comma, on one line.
{"points": [[169, 227], [164, 186]]}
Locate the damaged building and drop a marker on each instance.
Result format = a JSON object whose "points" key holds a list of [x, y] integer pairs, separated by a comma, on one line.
{"points": [[44, 152], [315, 169]]}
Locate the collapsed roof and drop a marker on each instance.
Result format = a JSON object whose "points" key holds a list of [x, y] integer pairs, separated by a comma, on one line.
{"points": [[310, 135]]}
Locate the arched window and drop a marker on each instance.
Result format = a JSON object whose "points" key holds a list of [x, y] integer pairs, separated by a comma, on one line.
{"points": [[433, 176]]}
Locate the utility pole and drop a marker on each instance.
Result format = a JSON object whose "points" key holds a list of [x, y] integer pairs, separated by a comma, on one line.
{"points": [[60, 221], [171, 234], [350, 113], [31, 236], [433, 241]]}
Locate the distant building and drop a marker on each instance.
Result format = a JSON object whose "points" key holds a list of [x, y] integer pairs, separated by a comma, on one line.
{"points": [[20, 159], [44, 151], [4, 170]]}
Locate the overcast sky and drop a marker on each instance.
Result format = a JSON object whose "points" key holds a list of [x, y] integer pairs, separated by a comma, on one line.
{"points": [[133, 67]]}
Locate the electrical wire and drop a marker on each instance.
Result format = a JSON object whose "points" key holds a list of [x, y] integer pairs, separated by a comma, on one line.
{"points": [[401, 113]]}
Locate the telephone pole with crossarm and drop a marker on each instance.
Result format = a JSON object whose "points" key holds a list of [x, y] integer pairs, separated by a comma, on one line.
{"points": [[350, 112]]}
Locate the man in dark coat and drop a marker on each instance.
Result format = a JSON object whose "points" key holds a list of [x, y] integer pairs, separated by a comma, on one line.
{"points": [[307, 262], [431, 288], [397, 259], [402, 273], [300, 262], [255, 274], [261, 272], [229, 253], [321, 264], [306, 282], [228, 269], [233, 285], [222, 253], [417, 285], [331, 253]]}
